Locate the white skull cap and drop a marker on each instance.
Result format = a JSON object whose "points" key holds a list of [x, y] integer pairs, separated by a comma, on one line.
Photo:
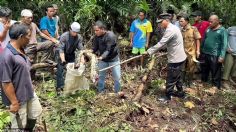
{"points": [[27, 13], [75, 27]]}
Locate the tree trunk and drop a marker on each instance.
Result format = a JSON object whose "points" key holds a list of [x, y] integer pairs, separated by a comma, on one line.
{"points": [[142, 86]]}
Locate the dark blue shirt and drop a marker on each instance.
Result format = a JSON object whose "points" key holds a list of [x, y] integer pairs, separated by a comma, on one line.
{"points": [[15, 68]]}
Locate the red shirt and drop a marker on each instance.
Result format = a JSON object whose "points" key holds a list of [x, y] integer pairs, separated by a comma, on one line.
{"points": [[202, 27]]}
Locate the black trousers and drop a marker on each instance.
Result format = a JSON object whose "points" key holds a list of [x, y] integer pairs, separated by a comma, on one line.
{"points": [[211, 65], [174, 77]]}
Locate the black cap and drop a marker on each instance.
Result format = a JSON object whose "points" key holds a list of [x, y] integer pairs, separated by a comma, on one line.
{"points": [[196, 13], [181, 13], [163, 16], [170, 11]]}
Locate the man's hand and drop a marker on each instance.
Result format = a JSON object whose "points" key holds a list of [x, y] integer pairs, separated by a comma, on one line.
{"points": [[54, 40], [100, 58], [220, 60], [7, 25], [131, 44], [146, 45], [14, 107], [229, 50], [91, 51], [82, 59], [63, 63], [198, 54]]}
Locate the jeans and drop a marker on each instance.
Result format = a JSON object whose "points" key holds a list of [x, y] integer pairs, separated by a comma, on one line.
{"points": [[211, 64], [116, 74], [174, 74], [60, 76], [60, 79]]}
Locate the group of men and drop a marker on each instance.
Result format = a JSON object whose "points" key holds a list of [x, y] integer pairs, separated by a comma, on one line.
{"points": [[19, 48], [205, 44], [205, 41]]}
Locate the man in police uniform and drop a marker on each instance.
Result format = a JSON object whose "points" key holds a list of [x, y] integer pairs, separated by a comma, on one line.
{"points": [[173, 40]]}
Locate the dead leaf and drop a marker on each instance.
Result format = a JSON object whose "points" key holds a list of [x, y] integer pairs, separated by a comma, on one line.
{"points": [[181, 130], [137, 104], [148, 107], [153, 126], [213, 121], [205, 96], [144, 79], [121, 94], [145, 110], [191, 91], [111, 94], [167, 112], [189, 104], [211, 91]]}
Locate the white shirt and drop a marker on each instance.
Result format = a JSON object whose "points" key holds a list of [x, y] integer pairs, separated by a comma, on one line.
{"points": [[173, 40]]}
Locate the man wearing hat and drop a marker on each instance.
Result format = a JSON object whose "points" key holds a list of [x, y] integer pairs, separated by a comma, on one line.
{"points": [[69, 42], [201, 25], [34, 46], [173, 40], [171, 12]]}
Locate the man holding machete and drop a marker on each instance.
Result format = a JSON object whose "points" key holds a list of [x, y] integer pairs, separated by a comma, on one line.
{"points": [[18, 92]]}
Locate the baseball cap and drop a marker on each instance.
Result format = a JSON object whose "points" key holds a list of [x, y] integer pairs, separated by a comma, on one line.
{"points": [[26, 13], [75, 27], [162, 17]]}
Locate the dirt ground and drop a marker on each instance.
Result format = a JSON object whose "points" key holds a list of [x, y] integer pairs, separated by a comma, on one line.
{"points": [[204, 108]]}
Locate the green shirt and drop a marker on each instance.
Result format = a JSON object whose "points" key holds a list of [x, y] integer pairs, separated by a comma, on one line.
{"points": [[215, 42]]}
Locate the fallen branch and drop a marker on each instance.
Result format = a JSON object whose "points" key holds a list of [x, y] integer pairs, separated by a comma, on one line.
{"points": [[40, 65], [145, 78]]}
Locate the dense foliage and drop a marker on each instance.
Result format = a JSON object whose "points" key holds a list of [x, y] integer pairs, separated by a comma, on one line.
{"points": [[118, 13], [203, 110]]}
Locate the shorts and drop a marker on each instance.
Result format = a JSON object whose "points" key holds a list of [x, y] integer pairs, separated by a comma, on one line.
{"points": [[138, 50], [32, 109]]}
